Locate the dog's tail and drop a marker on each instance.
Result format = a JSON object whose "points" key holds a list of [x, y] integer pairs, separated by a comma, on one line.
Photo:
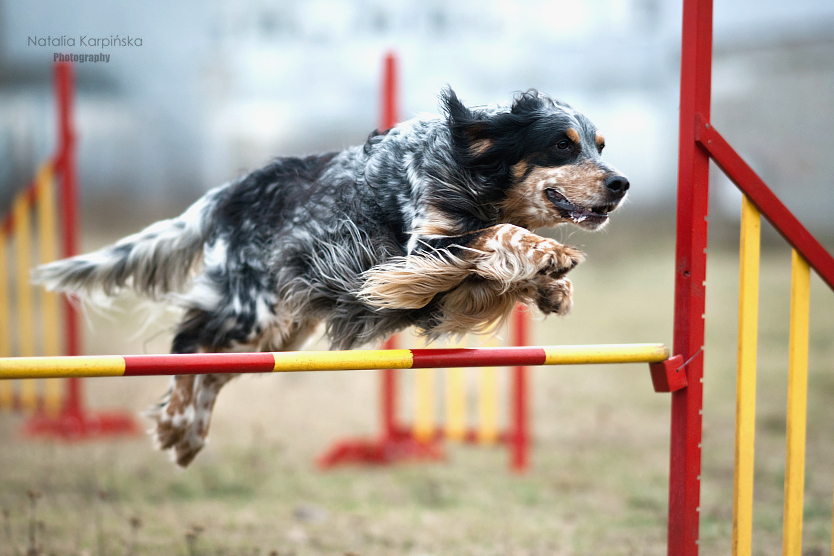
{"points": [[157, 260]]}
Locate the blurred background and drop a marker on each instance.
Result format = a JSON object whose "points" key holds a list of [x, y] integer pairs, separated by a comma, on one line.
{"points": [[217, 90]]}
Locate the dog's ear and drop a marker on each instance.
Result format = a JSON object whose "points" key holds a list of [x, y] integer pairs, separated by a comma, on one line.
{"points": [[455, 111], [470, 129], [527, 104]]}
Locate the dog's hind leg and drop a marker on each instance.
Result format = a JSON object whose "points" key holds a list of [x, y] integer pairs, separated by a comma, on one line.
{"points": [[183, 418], [184, 415]]}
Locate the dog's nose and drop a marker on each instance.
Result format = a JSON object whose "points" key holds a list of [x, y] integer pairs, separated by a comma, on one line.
{"points": [[617, 184]]}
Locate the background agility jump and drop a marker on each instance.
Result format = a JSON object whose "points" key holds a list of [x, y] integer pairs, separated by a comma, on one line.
{"points": [[58, 407]]}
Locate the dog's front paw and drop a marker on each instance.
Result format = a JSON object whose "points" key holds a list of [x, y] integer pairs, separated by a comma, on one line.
{"points": [[556, 259], [553, 295], [510, 254]]}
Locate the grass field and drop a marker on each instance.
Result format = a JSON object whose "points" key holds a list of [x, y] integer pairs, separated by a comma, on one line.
{"points": [[598, 483]]}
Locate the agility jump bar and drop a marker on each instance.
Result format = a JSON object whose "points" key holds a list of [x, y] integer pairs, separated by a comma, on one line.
{"points": [[300, 361]]}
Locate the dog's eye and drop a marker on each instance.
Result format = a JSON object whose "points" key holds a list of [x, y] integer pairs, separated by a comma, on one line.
{"points": [[563, 145], [600, 147]]}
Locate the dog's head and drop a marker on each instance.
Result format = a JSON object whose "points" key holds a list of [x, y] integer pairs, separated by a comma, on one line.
{"points": [[541, 160]]}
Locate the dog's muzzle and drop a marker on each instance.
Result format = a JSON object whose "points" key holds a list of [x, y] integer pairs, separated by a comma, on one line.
{"points": [[591, 217], [617, 186]]}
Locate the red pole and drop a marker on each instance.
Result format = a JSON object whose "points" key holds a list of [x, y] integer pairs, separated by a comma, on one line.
{"points": [[69, 216], [389, 119], [390, 113], [519, 438], [389, 396], [690, 277], [395, 443], [74, 423]]}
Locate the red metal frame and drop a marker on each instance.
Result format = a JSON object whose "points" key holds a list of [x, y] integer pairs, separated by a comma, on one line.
{"points": [[768, 204], [390, 429], [74, 422], [396, 442], [699, 141], [669, 375], [519, 436], [390, 93], [690, 278]]}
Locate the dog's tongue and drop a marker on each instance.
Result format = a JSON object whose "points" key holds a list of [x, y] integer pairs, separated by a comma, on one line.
{"points": [[569, 210], [572, 211]]}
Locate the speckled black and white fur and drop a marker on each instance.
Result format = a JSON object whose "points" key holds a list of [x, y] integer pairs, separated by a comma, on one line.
{"points": [[426, 225]]}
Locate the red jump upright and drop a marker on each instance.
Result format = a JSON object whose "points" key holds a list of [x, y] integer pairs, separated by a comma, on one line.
{"points": [[74, 422], [397, 441]]}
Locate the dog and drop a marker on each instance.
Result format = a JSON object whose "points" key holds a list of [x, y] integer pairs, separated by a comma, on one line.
{"points": [[428, 224]]}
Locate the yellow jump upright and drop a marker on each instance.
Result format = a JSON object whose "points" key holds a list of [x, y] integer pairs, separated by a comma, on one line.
{"points": [[22, 230], [748, 314], [6, 390], [746, 391], [30, 394], [47, 234], [797, 405], [456, 401]]}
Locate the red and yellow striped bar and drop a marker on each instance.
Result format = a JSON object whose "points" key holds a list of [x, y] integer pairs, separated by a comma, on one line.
{"points": [[301, 361]]}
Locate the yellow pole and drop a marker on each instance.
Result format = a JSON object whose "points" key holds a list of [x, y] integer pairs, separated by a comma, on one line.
{"points": [[456, 400], [488, 402], [25, 335], [605, 353], [748, 313], [48, 252], [6, 391], [424, 405], [797, 396]]}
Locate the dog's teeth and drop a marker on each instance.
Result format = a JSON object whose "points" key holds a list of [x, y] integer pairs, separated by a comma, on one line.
{"points": [[579, 215]]}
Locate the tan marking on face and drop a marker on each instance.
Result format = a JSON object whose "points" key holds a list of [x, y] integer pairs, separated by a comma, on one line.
{"points": [[480, 146], [599, 140], [583, 184], [519, 169], [521, 209], [527, 205], [573, 135]]}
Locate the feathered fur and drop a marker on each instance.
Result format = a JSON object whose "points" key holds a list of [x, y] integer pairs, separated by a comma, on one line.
{"points": [[426, 225]]}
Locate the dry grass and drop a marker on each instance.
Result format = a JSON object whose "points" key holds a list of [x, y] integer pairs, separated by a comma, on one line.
{"points": [[600, 463]]}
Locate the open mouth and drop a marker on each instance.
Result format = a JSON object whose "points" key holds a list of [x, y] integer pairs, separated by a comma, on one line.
{"points": [[593, 215]]}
